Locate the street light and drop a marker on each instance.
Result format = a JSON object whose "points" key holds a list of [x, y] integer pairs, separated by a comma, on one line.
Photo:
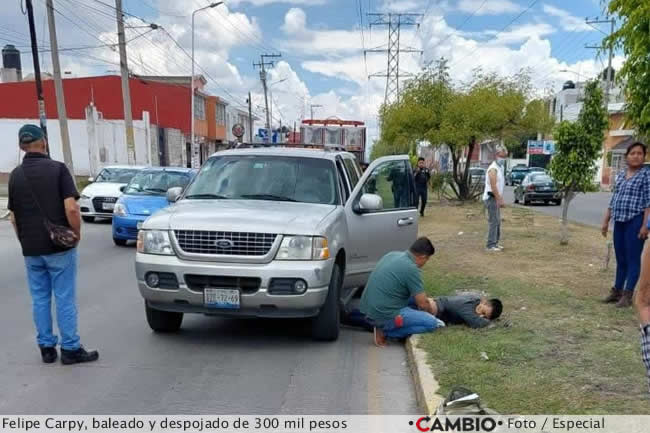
{"points": [[271, 93], [210, 6]]}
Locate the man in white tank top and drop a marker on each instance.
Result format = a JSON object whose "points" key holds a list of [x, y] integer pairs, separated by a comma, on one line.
{"points": [[493, 198]]}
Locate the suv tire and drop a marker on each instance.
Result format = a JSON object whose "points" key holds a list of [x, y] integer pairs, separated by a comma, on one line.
{"points": [[163, 321], [325, 326]]}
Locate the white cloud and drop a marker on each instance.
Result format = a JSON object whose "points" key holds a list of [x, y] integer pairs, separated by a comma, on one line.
{"points": [[235, 3], [295, 22], [399, 6], [489, 7], [569, 22]]}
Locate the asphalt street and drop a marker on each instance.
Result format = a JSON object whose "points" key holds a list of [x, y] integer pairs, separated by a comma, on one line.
{"points": [[213, 366], [585, 208]]}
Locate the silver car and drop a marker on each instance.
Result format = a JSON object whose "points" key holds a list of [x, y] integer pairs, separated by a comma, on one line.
{"points": [[277, 232]]}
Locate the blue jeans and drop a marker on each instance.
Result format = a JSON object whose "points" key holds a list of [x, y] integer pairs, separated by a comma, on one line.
{"points": [[628, 248], [415, 322], [54, 274]]}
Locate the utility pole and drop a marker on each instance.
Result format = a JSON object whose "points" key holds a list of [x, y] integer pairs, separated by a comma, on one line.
{"points": [[311, 107], [37, 71], [250, 119], [394, 22], [262, 65], [58, 87], [126, 93], [610, 71]]}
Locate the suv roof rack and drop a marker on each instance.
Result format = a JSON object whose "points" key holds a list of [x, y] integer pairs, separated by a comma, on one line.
{"points": [[327, 148]]}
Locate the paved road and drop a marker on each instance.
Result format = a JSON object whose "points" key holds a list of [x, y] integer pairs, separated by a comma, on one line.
{"points": [[585, 208], [213, 365]]}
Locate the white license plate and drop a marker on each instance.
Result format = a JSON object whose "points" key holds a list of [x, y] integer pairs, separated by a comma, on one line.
{"points": [[221, 298], [108, 206]]}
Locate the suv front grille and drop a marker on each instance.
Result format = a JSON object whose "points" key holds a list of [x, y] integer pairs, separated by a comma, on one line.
{"points": [[248, 285], [98, 204], [225, 243]]}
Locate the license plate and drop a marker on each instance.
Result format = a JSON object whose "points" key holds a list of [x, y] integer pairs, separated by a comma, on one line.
{"points": [[108, 206], [221, 298]]}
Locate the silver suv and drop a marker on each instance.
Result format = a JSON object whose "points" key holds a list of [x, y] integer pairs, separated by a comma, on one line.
{"points": [[274, 232]]}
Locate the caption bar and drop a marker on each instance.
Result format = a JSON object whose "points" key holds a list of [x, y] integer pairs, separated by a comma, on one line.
{"points": [[301, 424]]}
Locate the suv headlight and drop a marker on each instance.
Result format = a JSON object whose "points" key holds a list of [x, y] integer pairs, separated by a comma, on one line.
{"points": [[303, 248], [85, 197], [120, 209], [154, 242]]}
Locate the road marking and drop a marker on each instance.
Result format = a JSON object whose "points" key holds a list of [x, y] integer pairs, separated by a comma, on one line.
{"points": [[374, 386]]}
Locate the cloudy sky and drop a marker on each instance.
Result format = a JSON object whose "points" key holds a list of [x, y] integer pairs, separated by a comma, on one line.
{"points": [[321, 43]]}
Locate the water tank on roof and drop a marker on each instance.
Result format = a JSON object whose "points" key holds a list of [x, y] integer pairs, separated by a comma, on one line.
{"points": [[11, 57], [569, 85]]}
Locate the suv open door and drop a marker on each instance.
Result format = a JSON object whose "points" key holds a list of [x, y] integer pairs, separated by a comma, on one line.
{"points": [[381, 214]]}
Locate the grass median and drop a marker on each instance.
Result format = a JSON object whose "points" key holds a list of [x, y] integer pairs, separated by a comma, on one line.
{"points": [[556, 348]]}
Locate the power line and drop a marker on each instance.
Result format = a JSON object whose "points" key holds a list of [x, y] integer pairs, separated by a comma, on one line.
{"points": [[530, 6]]}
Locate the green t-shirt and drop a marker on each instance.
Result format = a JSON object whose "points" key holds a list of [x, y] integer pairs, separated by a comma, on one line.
{"points": [[395, 279]]}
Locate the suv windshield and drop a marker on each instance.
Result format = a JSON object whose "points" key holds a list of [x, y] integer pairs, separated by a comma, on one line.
{"points": [[261, 177], [116, 175], [156, 182]]}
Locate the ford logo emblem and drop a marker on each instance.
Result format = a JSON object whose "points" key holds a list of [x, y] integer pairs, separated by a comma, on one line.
{"points": [[224, 243]]}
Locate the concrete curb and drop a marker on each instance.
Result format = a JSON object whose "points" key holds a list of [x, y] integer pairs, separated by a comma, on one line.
{"points": [[426, 385]]}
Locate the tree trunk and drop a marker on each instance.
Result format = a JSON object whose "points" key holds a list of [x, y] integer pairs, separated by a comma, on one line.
{"points": [[564, 233]]}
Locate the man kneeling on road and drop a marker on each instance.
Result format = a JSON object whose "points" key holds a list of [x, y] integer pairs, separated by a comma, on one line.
{"points": [[394, 299], [471, 310]]}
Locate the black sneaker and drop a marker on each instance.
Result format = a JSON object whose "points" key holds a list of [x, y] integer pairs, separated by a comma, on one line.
{"points": [[78, 356], [48, 354]]}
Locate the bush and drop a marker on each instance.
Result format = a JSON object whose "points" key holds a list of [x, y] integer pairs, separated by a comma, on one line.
{"points": [[439, 182]]}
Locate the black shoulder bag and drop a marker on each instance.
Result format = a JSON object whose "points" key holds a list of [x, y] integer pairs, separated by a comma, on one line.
{"points": [[61, 236]]}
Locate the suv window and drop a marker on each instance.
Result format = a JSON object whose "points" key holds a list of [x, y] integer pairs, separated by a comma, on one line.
{"points": [[353, 174], [391, 181], [262, 177], [345, 188]]}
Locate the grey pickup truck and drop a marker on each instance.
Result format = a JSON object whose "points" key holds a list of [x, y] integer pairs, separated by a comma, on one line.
{"points": [[274, 232]]}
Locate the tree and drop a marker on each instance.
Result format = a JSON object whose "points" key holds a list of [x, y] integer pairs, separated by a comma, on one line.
{"points": [[633, 36], [460, 117], [578, 145]]}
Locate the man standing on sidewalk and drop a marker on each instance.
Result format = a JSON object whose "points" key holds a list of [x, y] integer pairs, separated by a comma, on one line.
{"points": [[41, 189], [422, 176], [493, 198]]}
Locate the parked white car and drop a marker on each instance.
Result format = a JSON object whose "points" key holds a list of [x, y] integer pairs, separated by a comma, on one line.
{"points": [[98, 199]]}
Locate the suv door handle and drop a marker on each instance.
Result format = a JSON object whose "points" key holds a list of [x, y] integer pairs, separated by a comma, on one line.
{"points": [[405, 221]]}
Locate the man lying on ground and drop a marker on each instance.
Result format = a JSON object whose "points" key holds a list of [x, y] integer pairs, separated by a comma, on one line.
{"points": [[394, 298], [472, 310]]}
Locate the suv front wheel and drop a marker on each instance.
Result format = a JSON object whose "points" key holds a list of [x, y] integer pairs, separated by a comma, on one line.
{"points": [[325, 326], [163, 321]]}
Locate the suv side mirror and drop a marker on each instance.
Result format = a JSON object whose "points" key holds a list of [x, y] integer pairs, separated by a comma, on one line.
{"points": [[174, 193], [369, 203], [91, 179], [123, 188]]}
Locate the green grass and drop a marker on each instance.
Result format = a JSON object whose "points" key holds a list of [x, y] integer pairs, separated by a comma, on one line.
{"points": [[556, 349]]}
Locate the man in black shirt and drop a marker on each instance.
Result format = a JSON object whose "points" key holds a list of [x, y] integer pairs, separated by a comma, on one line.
{"points": [[422, 176], [40, 190], [471, 310]]}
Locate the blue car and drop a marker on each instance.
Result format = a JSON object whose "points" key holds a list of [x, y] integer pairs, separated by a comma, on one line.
{"points": [[143, 196]]}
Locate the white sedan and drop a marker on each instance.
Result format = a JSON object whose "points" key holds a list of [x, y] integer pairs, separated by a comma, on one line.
{"points": [[98, 199]]}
